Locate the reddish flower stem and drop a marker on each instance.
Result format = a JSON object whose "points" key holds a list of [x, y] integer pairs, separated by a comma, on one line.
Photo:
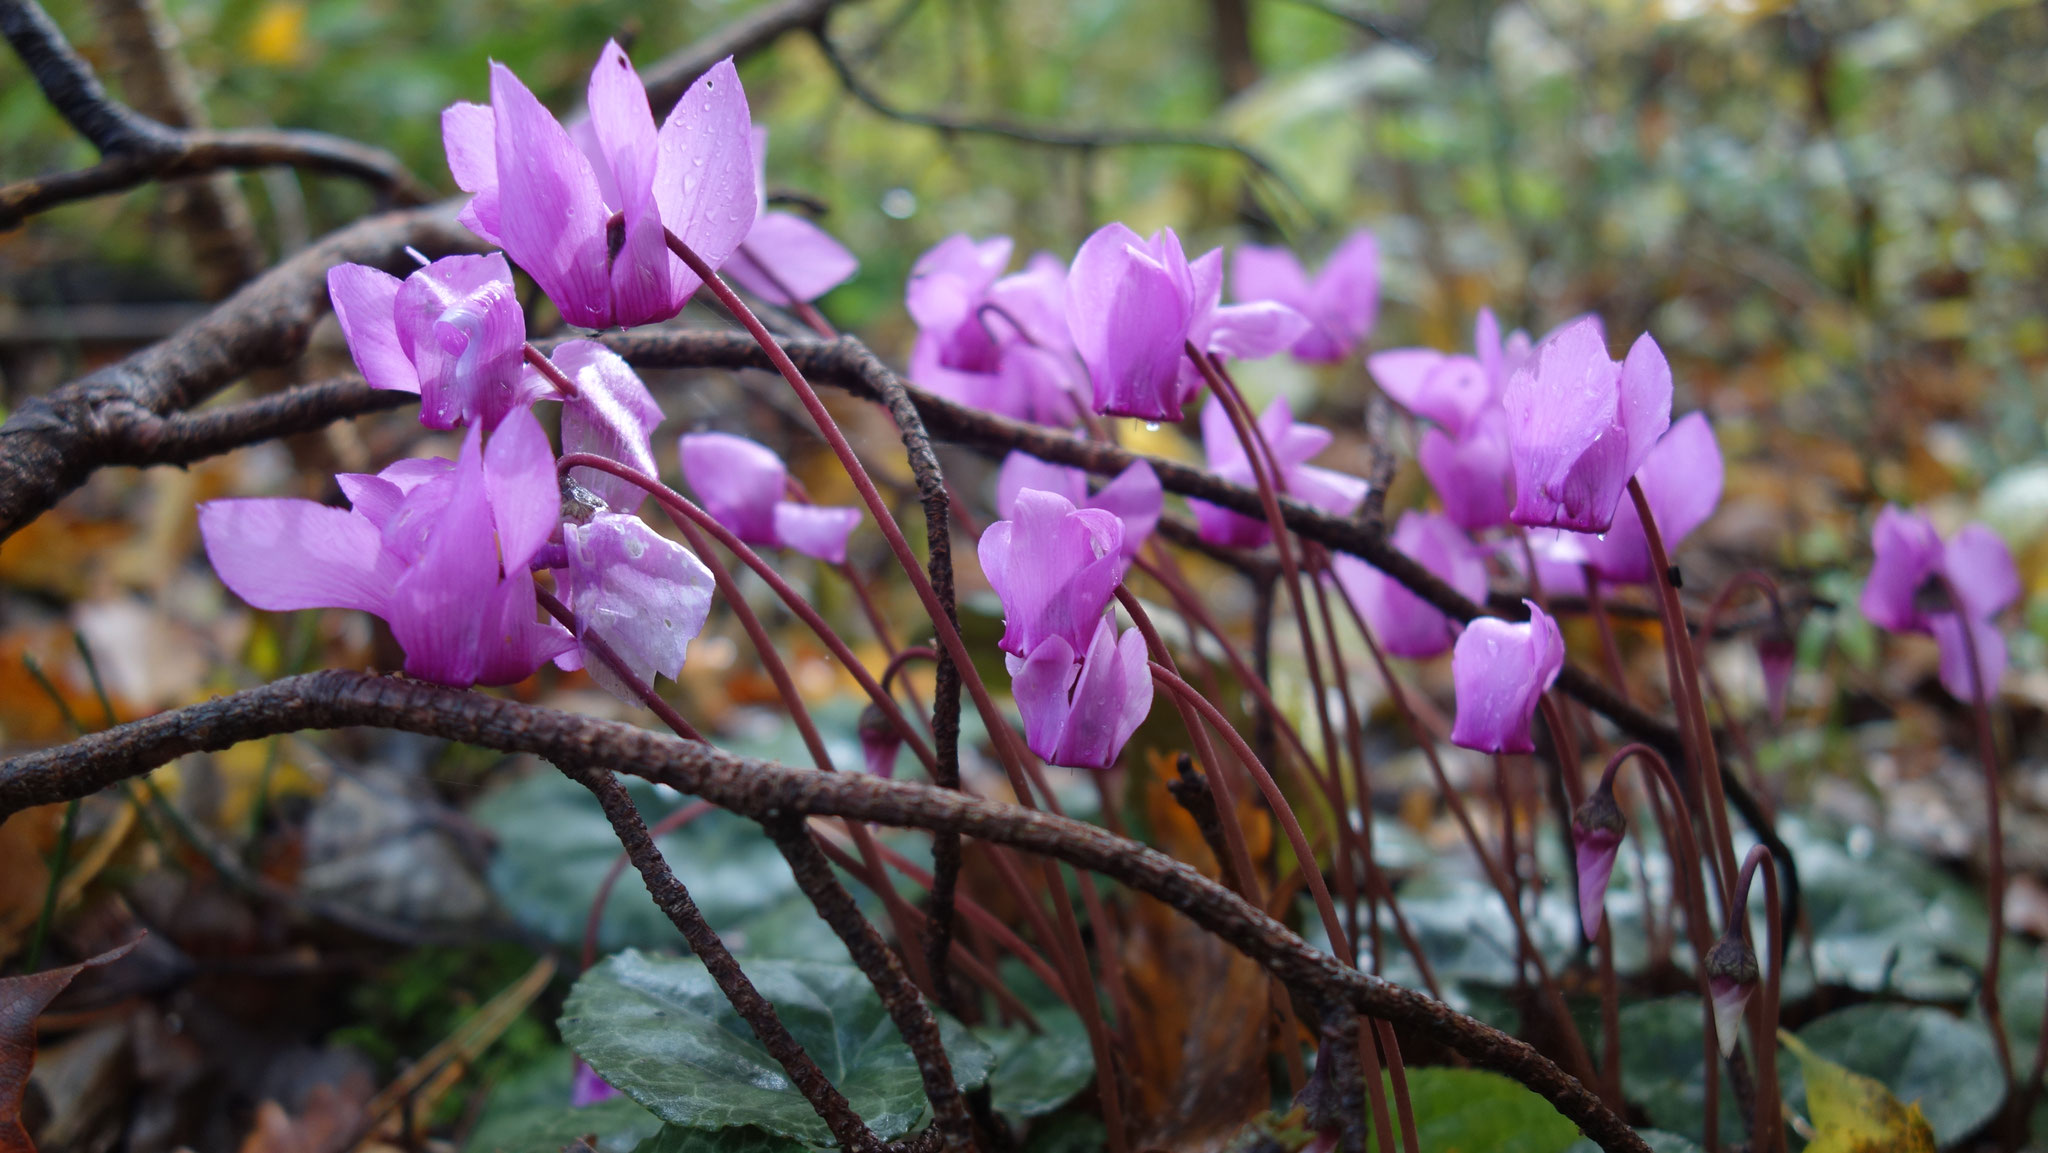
{"points": [[1766, 1133], [1022, 771], [563, 382]]}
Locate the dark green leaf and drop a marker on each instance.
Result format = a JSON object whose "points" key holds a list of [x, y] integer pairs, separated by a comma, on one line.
{"points": [[529, 1112], [1467, 1110], [659, 1029], [1037, 1074], [1663, 1066], [678, 1139]]}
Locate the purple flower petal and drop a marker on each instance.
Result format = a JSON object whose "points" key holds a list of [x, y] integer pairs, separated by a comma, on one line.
{"points": [[738, 481], [1135, 498], [1500, 671], [519, 477], [459, 321], [1908, 552], [1254, 331], [364, 302], [1989, 643], [1110, 700], [1407, 625], [513, 643], [1042, 685], [469, 133], [1645, 400], [587, 1088], [1258, 272], [1021, 470], [437, 605], [551, 218], [1682, 480], [1473, 475], [815, 531], [704, 172], [1347, 299], [1569, 444], [294, 554], [1129, 315], [1054, 567], [612, 416], [787, 258], [647, 281], [643, 594], [1980, 568], [1596, 850]]}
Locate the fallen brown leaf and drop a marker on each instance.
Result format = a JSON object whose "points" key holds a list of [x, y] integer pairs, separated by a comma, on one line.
{"points": [[22, 1000]]}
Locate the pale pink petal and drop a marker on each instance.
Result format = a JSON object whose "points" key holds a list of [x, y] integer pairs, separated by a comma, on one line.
{"points": [[1990, 648], [460, 322], [1472, 475], [513, 643], [438, 606], [1645, 400], [1261, 273], [1346, 299], [365, 302], [1110, 700], [1254, 331], [1499, 671]]}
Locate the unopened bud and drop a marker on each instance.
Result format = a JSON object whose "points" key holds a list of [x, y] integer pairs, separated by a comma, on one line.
{"points": [[879, 741], [1597, 829], [1732, 975]]}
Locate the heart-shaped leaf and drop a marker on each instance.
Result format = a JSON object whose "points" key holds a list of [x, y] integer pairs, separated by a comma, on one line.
{"points": [[1947, 1066], [659, 1030], [1036, 1074], [1462, 1110]]}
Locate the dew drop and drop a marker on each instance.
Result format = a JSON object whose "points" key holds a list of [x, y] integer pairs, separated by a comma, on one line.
{"points": [[1151, 426]]}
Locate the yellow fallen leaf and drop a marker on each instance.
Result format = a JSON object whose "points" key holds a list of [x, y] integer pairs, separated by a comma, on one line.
{"points": [[1852, 1113], [278, 36]]}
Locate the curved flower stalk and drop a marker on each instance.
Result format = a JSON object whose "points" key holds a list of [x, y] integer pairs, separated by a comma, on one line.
{"points": [[440, 549], [583, 210], [1134, 496], [786, 259], [1340, 302], [1079, 709], [1293, 445], [1580, 425], [1500, 671], [1918, 584], [744, 486], [1407, 625], [994, 342], [1054, 567], [452, 332], [1466, 456], [1135, 303]]}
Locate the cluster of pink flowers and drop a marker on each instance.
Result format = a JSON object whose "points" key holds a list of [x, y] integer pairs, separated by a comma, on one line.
{"points": [[445, 551]]}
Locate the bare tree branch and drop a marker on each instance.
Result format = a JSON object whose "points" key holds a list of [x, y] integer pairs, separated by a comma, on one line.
{"points": [[50, 444], [197, 153], [766, 792], [667, 77]]}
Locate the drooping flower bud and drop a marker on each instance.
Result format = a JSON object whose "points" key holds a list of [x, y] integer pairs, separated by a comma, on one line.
{"points": [[879, 741], [1777, 651], [1054, 567], [1581, 424], [1079, 708], [1732, 974], [1597, 829]]}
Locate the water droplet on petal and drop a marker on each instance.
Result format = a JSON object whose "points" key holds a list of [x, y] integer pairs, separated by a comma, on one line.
{"points": [[1151, 426]]}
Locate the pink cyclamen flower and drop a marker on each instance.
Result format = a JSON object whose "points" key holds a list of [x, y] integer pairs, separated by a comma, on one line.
{"points": [[439, 549], [1080, 714], [1597, 829], [989, 341], [1054, 567], [1910, 591], [1500, 671], [584, 210], [786, 258], [745, 487], [1407, 625], [1681, 479], [587, 1088], [1473, 474], [641, 593], [1135, 303], [1135, 496], [1580, 425], [1447, 388], [451, 332], [1340, 303], [1293, 445]]}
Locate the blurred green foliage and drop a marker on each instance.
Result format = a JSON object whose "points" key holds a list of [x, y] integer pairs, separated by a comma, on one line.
{"points": [[1830, 212]]}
